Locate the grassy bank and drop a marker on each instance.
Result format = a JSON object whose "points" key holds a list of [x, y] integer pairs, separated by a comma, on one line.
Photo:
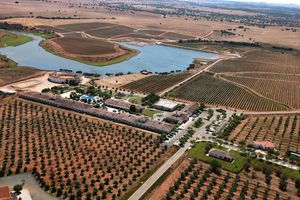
{"points": [[260, 165], [9, 39], [45, 36], [98, 64]]}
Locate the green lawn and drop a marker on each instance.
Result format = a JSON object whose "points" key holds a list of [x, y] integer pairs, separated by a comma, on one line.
{"points": [[198, 152], [13, 40], [135, 100], [45, 36], [149, 112]]}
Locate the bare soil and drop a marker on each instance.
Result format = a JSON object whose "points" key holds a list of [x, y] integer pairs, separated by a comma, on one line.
{"points": [[118, 81]]}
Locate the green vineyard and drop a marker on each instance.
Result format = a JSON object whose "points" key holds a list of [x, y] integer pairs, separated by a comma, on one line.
{"points": [[210, 90], [156, 83]]}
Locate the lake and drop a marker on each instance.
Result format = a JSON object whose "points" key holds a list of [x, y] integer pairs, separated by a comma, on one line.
{"points": [[154, 58]]}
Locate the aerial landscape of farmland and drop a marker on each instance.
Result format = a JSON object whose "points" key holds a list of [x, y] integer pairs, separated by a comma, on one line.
{"points": [[150, 100]]}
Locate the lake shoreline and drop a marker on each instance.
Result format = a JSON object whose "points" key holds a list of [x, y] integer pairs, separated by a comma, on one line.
{"points": [[156, 58]]}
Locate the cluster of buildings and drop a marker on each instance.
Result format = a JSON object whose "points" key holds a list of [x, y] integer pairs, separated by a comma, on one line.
{"points": [[176, 117], [125, 118], [114, 103], [63, 78]]}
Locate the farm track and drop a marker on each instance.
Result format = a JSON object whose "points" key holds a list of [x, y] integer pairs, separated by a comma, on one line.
{"points": [[193, 76]]}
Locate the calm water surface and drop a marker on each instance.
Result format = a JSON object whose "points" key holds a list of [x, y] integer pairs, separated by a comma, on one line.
{"points": [[154, 58]]}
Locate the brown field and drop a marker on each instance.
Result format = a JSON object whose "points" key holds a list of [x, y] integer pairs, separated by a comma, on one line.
{"points": [[85, 46], [282, 130], [144, 20], [118, 81], [111, 32], [10, 73], [72, 155], [51, 28], [151, 32], [260, 60], [93, 51], [196, 181], [156, 83], [208, 89], [175, 36], [85, 26]]}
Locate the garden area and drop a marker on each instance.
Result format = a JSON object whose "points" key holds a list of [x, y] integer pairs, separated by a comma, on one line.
{"points": [[200, 150]]}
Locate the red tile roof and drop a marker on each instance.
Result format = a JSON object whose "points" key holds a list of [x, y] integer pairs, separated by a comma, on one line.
{"points": [[4, 193], [265, 144]]}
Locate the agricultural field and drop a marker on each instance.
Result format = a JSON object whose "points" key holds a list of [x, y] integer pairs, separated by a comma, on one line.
{"points": [[85, 46], [197, 180], [284, 91], [213, 47], [52, 28], [10, 73], [269, 73], [174, 36], [84, 26], [156, 83], [111, 31], [282, 130], [262, 60], [88, 50], [208, 89], [74, 156]]}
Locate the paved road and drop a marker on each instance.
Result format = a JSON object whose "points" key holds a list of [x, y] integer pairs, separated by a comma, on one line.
{"points": [[146, 186]]}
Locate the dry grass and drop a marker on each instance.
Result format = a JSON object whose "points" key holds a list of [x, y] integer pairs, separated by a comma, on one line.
{"points": [[118, 81]]}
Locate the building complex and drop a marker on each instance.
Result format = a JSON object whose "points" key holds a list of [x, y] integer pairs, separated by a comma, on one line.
{"points": [[125, 118]]}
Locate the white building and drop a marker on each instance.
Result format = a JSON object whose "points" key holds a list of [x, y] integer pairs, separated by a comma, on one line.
{"points": [[165, 104]]}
